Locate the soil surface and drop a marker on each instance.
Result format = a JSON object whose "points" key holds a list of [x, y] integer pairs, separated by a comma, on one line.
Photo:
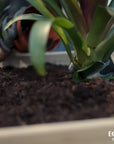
{"points": [[26, 98]]}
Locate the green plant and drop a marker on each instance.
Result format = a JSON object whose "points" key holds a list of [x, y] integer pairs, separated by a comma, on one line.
{"points": [[85, 24]]}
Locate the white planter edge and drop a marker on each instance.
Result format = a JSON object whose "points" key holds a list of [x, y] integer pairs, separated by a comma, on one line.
{"points": [[95, 131], [23, 60]]}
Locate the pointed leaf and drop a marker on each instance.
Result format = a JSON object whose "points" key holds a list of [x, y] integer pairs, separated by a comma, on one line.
{"points": [[53, 6], [38, 43], [89, 7], [101, 19], [95, 4], [64, 39], [31, 16], [79, 44], [76, 15], [105, 48], [90, 69], [39, 5], [66, 9]]}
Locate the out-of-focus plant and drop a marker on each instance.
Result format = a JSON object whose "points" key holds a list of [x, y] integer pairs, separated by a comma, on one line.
{"points": [[84, 24]]}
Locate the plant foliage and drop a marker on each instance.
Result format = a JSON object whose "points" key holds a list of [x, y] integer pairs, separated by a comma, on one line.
{"points": [[84, 24]]}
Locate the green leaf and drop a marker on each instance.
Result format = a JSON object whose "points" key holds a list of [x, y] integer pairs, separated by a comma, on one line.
{"points": [[89, 7], [80, 47], [108, 28], [52, 5], [90, 69], [102, 17], [39, 5], [38, 43], [67, 11], [78, 42], [63, 22], [64, 39], [105, 48], [75, 15], [77, 78], [31, 16], [95, 4]]}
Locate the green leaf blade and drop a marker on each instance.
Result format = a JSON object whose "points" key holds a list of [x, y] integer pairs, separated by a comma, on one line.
{"points": [[99, 24], [38, 43], [95, 4], [75, 15], [40, 6], [79, 45], [64, 39], [31, 16], [105, 48], [53, 6]]}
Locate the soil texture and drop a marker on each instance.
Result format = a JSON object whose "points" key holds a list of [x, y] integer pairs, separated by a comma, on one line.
{"points": [[26, 98]]}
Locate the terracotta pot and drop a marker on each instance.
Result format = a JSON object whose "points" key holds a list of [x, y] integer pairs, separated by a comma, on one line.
{"points": [[23, 30]]}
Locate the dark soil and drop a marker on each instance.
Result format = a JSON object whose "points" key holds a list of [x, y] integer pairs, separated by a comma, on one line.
{"points": [[26, 98]]}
